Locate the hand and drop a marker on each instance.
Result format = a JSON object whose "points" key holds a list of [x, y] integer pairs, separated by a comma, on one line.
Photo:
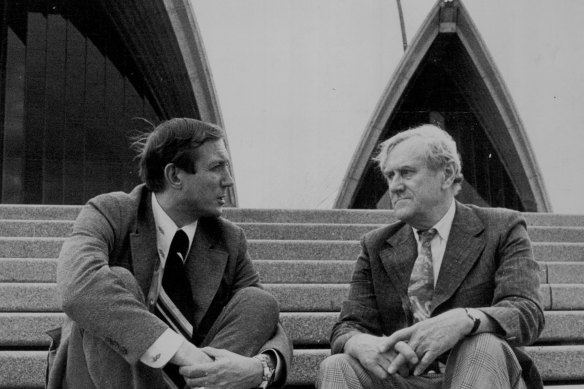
{"points": [[430, 338], [375, 354], [189, 354], [227, 371]]}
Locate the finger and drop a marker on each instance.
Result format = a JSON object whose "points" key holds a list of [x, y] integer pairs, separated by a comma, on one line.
{"points": [[406, 350], [379, 371], [197, 382], [400, 335], [399, 362], [426, 360], [196, 371]]}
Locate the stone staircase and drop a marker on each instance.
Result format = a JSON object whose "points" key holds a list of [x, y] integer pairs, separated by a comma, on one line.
{"points": [[305, 259]]}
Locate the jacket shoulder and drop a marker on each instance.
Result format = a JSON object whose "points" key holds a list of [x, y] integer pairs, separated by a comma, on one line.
{"points": [[379, 235]]}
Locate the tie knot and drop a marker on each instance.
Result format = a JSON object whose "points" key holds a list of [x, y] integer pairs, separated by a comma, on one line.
{"points": [[180, 243], [427, 235]]}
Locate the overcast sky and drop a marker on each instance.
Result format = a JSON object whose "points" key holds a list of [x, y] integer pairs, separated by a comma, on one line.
{"points": [[297, 81]]}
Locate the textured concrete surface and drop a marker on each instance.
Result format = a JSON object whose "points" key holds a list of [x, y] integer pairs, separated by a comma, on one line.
{"points": [[29, 298], [30, 247], [566, 296], [28, 269], [25, 369], [556, 234], [35, 228], [565, 272], [342, 216], [39, 212], [349, 250], [26, 297], [38, 247], [275, 271], [558, 252], [305, 272], [305, 329], [28, 329], [278, 231]]}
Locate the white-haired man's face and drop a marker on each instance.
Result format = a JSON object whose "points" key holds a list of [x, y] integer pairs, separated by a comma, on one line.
{"points": [[420, 195]]}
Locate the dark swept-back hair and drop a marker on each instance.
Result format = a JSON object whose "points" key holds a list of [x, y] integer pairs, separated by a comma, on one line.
{"points": [[173, 141]]}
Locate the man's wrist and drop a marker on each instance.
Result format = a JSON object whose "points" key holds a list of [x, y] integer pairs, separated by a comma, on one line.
{"points": [[475, 320], [267, 370]]}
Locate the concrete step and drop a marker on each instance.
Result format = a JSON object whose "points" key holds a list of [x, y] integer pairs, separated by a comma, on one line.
{"points": [[280, 249], [245, 215], [42, 297], [28, 329], [349, 250], [276, 231], [275, 271], [25, 369]]}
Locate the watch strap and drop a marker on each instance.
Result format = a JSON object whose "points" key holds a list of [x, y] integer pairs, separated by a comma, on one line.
{"points": [[476, 322]]}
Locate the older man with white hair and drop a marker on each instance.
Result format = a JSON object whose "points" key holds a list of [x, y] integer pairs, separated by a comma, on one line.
{"points": [[443, 297]]}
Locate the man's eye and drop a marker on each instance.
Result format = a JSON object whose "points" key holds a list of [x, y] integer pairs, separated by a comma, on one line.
{"points": [[407, 173]]}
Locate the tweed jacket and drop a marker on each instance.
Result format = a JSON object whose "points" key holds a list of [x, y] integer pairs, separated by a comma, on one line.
{"points": [[118, 229], [488, 264]]}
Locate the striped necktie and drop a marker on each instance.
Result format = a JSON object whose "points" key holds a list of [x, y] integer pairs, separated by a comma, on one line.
{"points": [[421, 287], [175, 304]]}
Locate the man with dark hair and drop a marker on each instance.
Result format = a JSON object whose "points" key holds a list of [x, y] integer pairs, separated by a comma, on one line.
{"points": [[158, 289], [443, 297]]}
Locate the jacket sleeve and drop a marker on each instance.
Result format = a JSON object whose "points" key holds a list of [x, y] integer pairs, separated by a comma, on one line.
{"points": [[517, 305], [359, 313], [94, 296]]}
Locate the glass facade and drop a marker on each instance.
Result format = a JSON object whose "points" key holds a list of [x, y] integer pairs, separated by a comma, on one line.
{"points": [[70, 98]]}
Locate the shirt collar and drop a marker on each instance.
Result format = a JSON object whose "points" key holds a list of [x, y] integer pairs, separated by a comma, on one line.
{"points": [[444, 225], [166, 228]]}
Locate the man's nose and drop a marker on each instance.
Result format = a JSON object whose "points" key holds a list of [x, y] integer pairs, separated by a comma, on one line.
{"points": [[227, 179], [395, 184]]}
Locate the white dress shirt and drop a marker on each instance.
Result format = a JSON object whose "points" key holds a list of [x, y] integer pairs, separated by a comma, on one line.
{"points": [[164, 348]]}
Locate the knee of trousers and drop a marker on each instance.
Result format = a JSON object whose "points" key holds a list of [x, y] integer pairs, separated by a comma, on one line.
{"points": [[129, 281], [258, 302], [335, 364], [484, 343]]}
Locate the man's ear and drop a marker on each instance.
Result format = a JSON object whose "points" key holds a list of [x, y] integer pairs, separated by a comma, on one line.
{"points": [[448, 176], [171, 176]]}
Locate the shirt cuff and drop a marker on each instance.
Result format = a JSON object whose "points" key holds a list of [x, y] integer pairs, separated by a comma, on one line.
{"points": [[162, 350]]}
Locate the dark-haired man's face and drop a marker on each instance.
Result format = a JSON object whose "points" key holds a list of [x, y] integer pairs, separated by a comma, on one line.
{"points": [[204, 192]]}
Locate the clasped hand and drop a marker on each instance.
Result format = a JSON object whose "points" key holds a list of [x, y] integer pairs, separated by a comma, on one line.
{"points": [[414, 347], [226, 370]]}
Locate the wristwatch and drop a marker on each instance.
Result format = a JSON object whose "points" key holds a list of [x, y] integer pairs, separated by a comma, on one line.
{"points": [[269, 369], [476, 322]]}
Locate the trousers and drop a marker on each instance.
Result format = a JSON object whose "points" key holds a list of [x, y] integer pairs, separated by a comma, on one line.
{"points": [[244, 325], [483, 361]]}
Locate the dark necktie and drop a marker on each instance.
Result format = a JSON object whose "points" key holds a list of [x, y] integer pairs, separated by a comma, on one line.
{"points": [[175, 304], [421, 287]]}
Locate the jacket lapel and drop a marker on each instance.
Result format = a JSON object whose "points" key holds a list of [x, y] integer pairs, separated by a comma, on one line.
{"points": [[463, 249], [398, 259], [143, 244], [205, 265]]}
